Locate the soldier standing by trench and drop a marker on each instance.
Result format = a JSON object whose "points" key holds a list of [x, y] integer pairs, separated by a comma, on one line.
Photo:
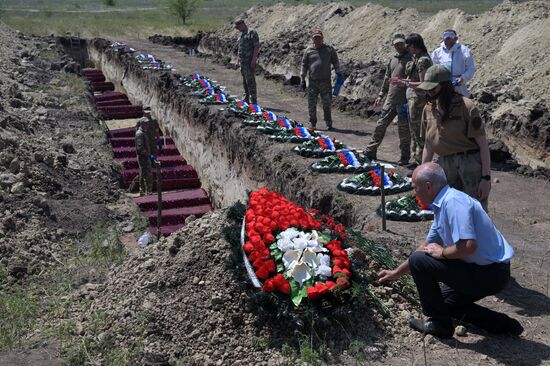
{"points": [[316, 64], [395, 104], [144, 158], [153, 130], [248, 50]]}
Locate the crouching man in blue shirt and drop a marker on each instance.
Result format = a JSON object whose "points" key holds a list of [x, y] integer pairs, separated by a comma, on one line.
{"points": [[465, 252]]}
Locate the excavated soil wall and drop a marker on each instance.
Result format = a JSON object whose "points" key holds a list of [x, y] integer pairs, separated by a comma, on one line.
{"points": [[512, 70], [230, 159]]}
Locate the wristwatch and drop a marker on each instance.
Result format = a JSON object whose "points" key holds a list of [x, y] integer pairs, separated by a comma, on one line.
{"points": [[486, 177]]}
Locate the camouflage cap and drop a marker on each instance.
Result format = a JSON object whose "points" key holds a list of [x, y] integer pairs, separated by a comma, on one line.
{"points": [[434, 75], [316, 33], [398, 38]]}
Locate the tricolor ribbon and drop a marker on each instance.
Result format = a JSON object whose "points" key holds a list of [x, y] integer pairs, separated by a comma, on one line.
{"points": [[151, 58], [195, 76], [209, 91], [242, 104], [348, 158], [270, 116], [386, 177], [254, 108], [204, 83], [284, 123], [220, 98], [301, 132], [326, 143]]}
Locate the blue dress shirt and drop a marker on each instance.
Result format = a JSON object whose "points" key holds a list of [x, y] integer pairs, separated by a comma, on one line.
{"points": [[461, 217]]}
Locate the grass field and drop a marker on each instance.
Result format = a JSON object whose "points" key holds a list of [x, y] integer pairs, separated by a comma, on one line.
{"points": [[141, 18]]}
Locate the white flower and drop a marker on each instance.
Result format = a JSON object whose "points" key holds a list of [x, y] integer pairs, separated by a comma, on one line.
{"points": [[324, 259], [285, 244], [323, 270], [289, 233], [309, 257], [291, 258], [300, 273]]}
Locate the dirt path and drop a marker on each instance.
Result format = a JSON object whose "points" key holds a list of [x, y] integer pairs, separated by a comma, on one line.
{"points": [[520, 207]]}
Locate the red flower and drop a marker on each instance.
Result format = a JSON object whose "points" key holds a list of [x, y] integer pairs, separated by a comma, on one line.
{"points": [[330, 285], [284, 287], [262, 273], [339, 228], [312, 293], [248, 247], [322, 289], [270, 265], [258, 263], [268, 286]]}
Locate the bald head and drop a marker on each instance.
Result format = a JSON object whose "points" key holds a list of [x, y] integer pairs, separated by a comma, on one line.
{"points": [[428, 179], [430, 172]]}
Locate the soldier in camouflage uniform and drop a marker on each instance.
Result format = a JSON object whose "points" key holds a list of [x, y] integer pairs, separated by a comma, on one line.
{"points": [[395, 104], [316, 64], [144, 158], [248, 50], [453, 129], [153, 130], [416, 98]]}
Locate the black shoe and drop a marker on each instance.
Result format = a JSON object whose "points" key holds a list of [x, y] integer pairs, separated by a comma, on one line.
{"points": [[514, 327], [330, 128], [412, 166], [437, 328]]}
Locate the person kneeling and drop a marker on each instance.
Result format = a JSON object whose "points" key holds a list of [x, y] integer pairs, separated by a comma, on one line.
{"points": [[464, 251]]}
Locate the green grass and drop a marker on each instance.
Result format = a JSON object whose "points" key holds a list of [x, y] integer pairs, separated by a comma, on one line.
{"points": [[18, 313], [135, 21]]}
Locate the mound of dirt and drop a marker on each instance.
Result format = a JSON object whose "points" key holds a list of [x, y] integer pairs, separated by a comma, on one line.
{"points": [[56, 177], [512, 70], [185, 300]]}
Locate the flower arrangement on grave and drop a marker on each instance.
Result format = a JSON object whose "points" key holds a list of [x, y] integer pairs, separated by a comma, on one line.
{"points": [[214, 98], [368, 183], [257, 117], [297, 134], [273, 126], [319, 147], [345, 161], [239, 108], [408, 208], [294, 252], [198, 82], [150, 62]]}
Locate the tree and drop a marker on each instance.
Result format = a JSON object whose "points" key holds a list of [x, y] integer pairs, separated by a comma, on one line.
{"points": [[183, 9], [109, 2]]}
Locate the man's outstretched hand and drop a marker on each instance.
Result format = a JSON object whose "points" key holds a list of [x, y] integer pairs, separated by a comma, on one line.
{"points": [[387, 275]]}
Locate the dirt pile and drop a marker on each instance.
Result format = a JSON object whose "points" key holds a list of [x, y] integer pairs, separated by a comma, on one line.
{"points": [[56, 177], [512, 70], [185, 299]]}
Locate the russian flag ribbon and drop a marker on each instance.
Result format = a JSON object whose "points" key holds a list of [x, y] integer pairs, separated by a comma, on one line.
{"points": [[270, 116], [254, 108], [242, 104], [348, 158], [284, 123], [151, 58], [220, 98], [209, 91], [386, 177], [205, 83], [326, 143], [301, 132], [195, 76]]}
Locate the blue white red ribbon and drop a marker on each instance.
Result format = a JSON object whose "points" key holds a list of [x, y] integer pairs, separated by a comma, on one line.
{"points": [[326, 143], [195, 76], [301, 132], [254, 108], [386, 177], [209, 91], [242, 104], [151, 58], [204, 83], [284, 123], [270, 116], [220, 98], [348, 158]]}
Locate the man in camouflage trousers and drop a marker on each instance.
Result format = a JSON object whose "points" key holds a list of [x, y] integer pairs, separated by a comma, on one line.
{"points": [[248, 50], [153, 130], [395, 104], [316, 64], [144, 158]]}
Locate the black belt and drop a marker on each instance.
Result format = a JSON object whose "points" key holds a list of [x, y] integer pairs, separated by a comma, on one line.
{"points": [[467, 152]]}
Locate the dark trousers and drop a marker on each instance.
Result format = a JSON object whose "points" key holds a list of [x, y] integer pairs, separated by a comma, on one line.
{"points": [[463, 285]]}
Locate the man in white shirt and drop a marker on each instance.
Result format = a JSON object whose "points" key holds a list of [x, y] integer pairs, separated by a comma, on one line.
{"points": [[457, 58]]}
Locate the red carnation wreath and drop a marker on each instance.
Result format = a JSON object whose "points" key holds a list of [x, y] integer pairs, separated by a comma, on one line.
{"points": [[293, 251]]}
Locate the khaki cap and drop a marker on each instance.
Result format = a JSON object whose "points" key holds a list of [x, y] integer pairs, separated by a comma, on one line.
{"points": [[398, 38], [316, 33], [434, 75]]}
